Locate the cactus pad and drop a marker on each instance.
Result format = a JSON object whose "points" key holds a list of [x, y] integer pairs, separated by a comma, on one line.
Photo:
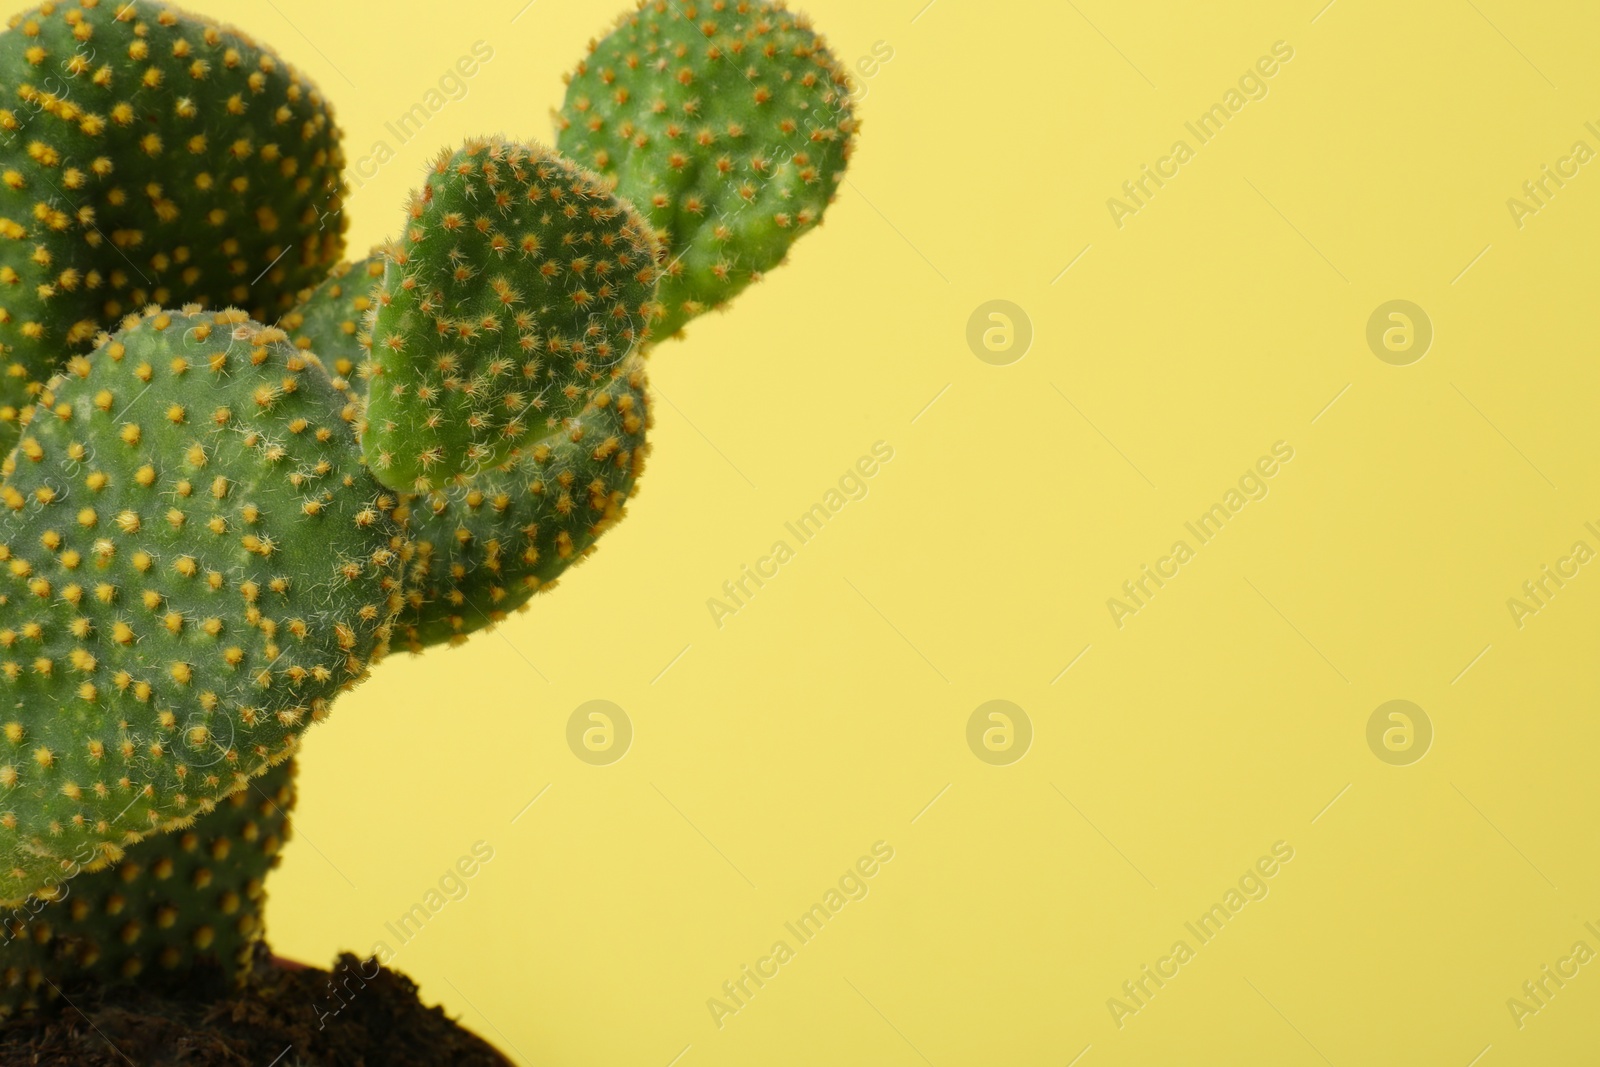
{"points": [[148, 156], [520, 284], [173, 903], [727, 123], [193, 563], [485, 544]]}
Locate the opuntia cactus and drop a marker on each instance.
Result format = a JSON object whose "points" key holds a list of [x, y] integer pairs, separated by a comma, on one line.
{"points": [[151, 157], [728, 123], [210, 527]]}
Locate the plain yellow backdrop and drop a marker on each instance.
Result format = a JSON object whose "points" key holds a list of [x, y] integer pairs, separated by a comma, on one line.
{"points": [[1172, 347]]}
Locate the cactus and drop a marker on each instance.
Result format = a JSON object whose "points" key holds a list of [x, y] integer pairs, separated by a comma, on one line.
{"points": [[148, 156], [485, 545], [195, 564], [520, 284], [176, 903], [728, 123], [210, 527]]}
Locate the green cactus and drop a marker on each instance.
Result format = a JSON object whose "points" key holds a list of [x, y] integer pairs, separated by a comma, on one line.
{"points": [[195, 560], [519, 285], [175, 903], [211, 527], [728, 123], [485, 544], [149, 156]]}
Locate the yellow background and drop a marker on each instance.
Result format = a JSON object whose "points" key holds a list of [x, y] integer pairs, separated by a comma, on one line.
{"points": [[1225, 316]]}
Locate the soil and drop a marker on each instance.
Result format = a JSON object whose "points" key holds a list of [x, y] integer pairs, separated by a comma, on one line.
{"points": [[288, 1015]]}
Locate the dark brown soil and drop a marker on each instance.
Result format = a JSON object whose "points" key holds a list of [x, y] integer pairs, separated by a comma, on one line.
{"points": [[357, 1015]]}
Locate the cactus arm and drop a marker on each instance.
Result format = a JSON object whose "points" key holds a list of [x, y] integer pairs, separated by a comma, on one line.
{"points": [[194, 561], [729, 125], [519, 285], [485, 545]]}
